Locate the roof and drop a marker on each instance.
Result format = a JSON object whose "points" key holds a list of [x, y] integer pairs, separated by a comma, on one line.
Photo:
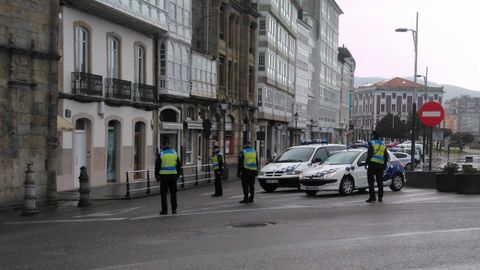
{"points": [[397, 82]]}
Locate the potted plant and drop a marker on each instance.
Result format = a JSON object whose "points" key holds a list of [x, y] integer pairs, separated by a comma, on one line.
{"points": [[469, 183], [446, 181]]}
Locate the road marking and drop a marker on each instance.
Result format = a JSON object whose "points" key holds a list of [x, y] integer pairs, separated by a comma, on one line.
{"points": [[407, 234], [111, 212], [64, 221]]}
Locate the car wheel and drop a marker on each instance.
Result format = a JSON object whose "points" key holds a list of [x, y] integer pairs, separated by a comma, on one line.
{"points": [[397, 182], [311, 192], [347, 185], [408, 167], [269, 188]]}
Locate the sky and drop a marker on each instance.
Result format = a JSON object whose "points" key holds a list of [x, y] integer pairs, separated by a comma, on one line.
{"points": [[448, 39]]}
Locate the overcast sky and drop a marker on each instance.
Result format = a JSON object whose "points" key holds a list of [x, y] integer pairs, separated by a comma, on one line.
{"points": [[448, 31]]}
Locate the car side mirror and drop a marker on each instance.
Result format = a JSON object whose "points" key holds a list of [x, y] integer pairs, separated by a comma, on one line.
{"points": [[317, 160], [362, 163]]}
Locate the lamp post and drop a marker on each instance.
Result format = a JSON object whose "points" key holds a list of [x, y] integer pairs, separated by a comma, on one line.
{"points": [[311, 129], [425, 78], [224, 106], [295, 117], [414, 105]]}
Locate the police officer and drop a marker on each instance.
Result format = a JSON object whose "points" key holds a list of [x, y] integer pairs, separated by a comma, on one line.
{"points": [[377, 159], [247, 169], [217, 164], [167, 167]]}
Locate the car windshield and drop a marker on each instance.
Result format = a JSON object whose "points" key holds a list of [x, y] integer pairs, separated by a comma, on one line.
{"points": [[342, 158], [301, 154]]}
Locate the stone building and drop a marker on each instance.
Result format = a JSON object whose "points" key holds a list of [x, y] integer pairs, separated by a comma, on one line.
{"points": [[28, 96], [347, 75], [373, 102], [226, 30], [462, 114]]}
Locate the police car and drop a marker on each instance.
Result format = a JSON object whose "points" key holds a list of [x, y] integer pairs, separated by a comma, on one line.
{"points": [[345, 172], [284, 170]]}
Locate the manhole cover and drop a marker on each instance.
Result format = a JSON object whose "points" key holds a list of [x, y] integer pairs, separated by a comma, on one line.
{"points": [[251, 225]]}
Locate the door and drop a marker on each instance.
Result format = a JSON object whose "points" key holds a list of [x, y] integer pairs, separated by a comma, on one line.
{"points": [[360, 172], [112, 152], [200, 154], [80, 154], [137, 153]]}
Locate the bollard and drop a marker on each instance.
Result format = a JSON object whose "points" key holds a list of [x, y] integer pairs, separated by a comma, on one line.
{"points": [[29, 203], [148, 182], [84, 188]]}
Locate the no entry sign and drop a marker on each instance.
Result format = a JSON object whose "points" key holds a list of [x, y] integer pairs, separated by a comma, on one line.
{"points": [[431, 114]]}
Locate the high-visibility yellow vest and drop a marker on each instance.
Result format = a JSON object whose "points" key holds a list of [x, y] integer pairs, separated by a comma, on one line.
{"points": [[249, 159], [379, 149], [169, 162], [215, 163]]}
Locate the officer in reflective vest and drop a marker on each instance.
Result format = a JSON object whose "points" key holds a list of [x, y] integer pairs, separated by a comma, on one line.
{"points": [[247, 169], [377, 159], [217, 165], [167, 168]]}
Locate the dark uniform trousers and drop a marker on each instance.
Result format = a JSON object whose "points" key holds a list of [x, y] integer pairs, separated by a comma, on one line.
{"points": [[218, 183], [248, 183], [375, 173], [168, 182]]}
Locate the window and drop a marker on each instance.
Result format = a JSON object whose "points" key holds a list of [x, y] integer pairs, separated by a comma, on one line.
{"points": [[163, 60], [394, 95], [190, 113], [262, 27], [320, 156], [382, 107], [81, 49], [261, 61], [113, 57], [404, 95], [394, 108], [383, 95], [139, 64], [435, 96], [404, 108]]}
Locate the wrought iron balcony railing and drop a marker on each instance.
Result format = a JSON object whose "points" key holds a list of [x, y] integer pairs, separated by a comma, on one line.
{"points": [[118, 89], [144, 93], [86, 84]]}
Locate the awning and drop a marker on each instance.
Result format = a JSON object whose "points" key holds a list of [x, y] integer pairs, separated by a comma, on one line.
{"points": [[63, 125]]}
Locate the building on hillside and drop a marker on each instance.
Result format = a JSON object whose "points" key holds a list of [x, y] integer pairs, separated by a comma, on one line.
{"points": [[277, 45], [226, 30], [28, 97], [108, 87], [324, 108], [372, 103], [347, 76], [463, 115]]}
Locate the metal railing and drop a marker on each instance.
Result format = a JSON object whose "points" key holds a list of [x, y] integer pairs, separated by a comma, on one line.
{"points": [[192, 174], [87, 84], [118, 89], [144, 92]]}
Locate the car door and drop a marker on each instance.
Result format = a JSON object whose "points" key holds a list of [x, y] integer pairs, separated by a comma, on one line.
{"points": [[360, 172], [389, 169]]}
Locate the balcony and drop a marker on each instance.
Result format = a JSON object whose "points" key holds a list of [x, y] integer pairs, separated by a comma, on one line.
{"points": [[86, 84], [173, 87], [144, 93], [204, 90], [146, 16], [118, 89]]}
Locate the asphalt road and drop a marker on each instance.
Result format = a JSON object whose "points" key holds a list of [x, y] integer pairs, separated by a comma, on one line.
{"points": [[412, 229]]}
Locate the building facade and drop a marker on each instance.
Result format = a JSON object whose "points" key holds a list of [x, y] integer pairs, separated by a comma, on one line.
{"points": [[226, 30], [462, 114], [276, 78], [372, 103], [107, 88], [326, 82], [28, 84], [347, 76]]}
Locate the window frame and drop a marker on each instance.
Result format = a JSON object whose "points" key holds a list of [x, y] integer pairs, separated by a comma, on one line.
{"points": [[88, 58], [118, 58]]}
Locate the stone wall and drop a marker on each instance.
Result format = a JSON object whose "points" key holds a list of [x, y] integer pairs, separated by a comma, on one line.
{"points": [[28, 90]]}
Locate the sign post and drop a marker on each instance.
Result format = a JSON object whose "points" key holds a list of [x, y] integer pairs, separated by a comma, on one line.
{"points": [[431, 114]]}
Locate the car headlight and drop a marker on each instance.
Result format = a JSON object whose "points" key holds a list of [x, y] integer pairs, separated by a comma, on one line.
{"points": [[330, 175], [301, 176], [293, 173], [260, 173]]}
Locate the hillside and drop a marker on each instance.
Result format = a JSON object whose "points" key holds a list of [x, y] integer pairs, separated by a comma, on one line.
{"points": [[450, 90]]}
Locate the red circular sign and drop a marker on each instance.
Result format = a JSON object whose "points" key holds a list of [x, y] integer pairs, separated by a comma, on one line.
{"points": [[431, 114]]}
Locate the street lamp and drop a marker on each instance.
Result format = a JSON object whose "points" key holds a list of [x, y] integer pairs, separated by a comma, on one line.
{"points": [[425, 78], [414, 113], [311, 129], [224, 106], [295, 117]]}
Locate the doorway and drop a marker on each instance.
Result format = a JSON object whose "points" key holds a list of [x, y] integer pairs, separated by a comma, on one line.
{"points": [[113, 152], [138, 149], [80, 156]]}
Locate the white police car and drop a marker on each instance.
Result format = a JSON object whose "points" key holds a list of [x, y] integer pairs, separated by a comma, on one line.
{"points": [[345, 172], [286, 168]]}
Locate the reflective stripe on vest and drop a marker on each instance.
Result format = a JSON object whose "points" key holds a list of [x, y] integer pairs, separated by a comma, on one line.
{"points": [[169, 162], [249, 159], [379, 149], [215, 163]]}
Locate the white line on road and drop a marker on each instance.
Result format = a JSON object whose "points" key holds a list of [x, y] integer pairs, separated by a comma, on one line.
{"points": [[111, 212], [64, 221]]}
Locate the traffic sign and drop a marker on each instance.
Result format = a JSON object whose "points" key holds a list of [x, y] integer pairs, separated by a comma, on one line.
{"points": [[431, 114]]}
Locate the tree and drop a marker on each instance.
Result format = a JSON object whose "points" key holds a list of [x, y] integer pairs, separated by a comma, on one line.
{"points": [[461, 139], [392, 127]]}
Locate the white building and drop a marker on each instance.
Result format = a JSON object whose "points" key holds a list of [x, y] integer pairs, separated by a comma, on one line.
{"points": [[106, 86], [277, 34]]}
